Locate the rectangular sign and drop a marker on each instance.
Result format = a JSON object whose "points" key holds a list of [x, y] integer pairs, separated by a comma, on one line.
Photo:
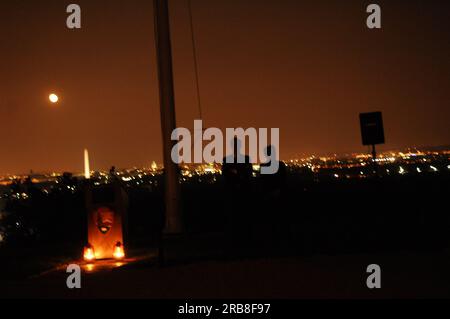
{"points": [[372, 130]]}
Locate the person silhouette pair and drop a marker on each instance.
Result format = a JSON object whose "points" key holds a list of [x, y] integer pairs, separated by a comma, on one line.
{"points": [[237, 169], [242, 204]]}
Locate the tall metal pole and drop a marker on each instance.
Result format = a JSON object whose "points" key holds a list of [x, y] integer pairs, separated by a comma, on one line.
{"points": [[174, 223], [374, 160]]}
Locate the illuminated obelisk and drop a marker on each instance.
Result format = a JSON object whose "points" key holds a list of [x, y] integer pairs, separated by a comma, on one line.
{"points": [[87, 170]]}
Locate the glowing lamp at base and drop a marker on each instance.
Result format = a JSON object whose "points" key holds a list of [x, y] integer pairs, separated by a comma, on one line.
{"points": [[118, 251], [89, 254]]}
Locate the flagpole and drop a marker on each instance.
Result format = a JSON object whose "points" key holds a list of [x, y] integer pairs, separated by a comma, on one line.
{"points": [[174, 223]]}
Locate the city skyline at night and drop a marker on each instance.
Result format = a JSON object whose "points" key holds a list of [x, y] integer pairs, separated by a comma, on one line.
{"points": [[304, 69]]}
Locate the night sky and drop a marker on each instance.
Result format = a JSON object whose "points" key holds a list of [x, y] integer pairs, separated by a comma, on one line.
{"points": [[307, 67]]}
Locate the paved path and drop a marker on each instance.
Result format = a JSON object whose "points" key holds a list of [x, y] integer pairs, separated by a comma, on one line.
{"points": [[417, 275]]}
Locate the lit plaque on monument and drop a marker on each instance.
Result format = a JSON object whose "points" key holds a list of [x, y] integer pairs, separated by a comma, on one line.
{"points": [[106, 206]]}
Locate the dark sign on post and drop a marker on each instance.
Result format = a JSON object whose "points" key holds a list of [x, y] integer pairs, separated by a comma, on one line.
{"points": [[372, 131]]}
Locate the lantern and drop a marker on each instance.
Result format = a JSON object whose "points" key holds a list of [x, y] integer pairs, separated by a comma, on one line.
{"points": [[118, 251], [89, 254]]}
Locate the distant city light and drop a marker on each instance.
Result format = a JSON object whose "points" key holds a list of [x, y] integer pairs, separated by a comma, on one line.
{"points": [[354, 165], [210, 170]]}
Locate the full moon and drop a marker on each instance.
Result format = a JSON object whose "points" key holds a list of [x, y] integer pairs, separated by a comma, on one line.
{"points": [[53, 98]]}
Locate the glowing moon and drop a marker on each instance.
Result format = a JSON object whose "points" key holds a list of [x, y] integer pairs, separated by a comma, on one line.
{"points": [[53, 98]]}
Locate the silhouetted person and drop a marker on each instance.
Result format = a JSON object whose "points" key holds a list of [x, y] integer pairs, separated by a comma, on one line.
{"points": [[237, 194], [236, 175], [273, 184], [273, 209]]}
